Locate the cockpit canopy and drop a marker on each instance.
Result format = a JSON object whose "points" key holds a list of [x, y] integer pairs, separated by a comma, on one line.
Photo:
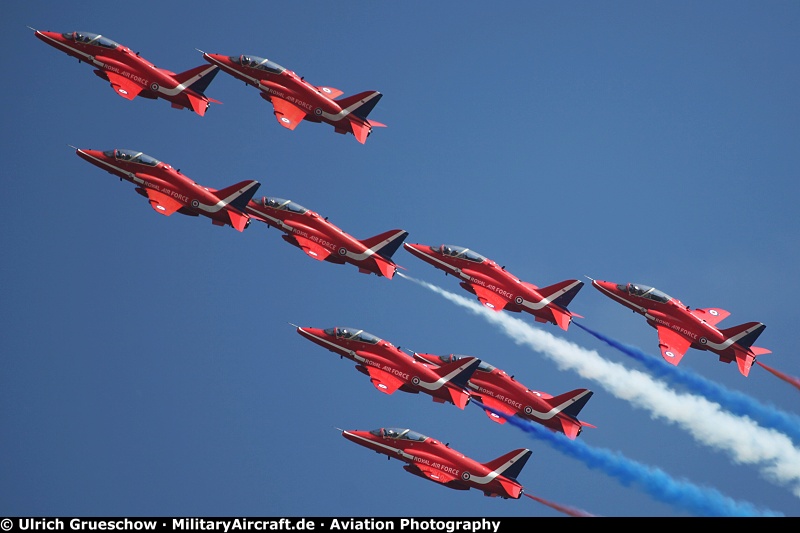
{"points": [[280, 203], [461, 253], [257, 62], [399, 434], [482, 366], [352, 334], [637, 289], [132, 156], [90, 38]]}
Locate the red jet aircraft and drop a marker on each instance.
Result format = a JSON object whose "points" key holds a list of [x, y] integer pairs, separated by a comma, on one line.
{"points": [[295, 100], [680, 328], [500, 392], [131, 75], [169, 191], [389, 368], [323, 241], [432, 460], [498, 289]]}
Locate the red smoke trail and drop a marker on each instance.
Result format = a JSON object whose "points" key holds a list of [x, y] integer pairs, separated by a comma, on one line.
{"points": [[571, 511], [785, 377]]}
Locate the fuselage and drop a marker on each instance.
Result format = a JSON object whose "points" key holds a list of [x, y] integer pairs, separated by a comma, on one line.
{"points": [[148, 173], [112, 58], [431, 459], [372, 353]]}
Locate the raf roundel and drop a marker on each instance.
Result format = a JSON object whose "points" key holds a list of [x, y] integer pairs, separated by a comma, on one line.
{"points": [[285, 120], [714, 312], [518, 300], [318, 111], [195, 203], [669, 354], [703, 340], [153, 86], [465, 476], [415, 380], [342, 251]]}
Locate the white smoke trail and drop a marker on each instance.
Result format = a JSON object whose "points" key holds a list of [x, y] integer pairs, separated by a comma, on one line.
{"points": [[745, 441]]}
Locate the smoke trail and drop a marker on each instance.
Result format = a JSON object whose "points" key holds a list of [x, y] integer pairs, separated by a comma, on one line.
{"points": [[785, 377], [735, 402], [655, 482], [746, 441], [571, 511]]}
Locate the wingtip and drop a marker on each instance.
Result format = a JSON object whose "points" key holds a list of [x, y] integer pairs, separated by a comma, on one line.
{"points": [[294, 325], [200, 51], [589, 278]]}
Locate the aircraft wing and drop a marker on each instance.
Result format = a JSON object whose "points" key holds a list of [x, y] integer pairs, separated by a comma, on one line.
{"points": [[288, 115], [711, 315], [123, 86], [383, 381], [435, 474], [673, 345], [490, 299], [498, 406], [163, 204], [330, 92], [312, 249]]}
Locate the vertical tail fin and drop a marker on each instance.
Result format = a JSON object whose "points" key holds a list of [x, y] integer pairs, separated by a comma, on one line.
{"points": [[360, 104], [457, 375], [198, 78], [562, 293], [238, 195], [742, 337], [571, 403], [387, 243], [510, 465]]}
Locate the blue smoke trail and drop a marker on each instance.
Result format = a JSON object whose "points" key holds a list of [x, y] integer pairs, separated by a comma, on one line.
{"points": [[733, 401], [661, 486]]}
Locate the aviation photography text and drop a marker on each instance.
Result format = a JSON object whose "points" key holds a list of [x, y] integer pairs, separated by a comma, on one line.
{"points": [[226, 525]]}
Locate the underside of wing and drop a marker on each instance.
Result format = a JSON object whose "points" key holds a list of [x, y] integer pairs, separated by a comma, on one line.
{"points": [[384, 381], [330, 92], [288, 115], [673, 345], [312, 249], [490, 299], [499, 407], [163, 204], [711, 315], [123, 86]]}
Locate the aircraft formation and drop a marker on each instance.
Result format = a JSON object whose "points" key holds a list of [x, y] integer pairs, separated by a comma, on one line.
{"points": [[451, 378]]}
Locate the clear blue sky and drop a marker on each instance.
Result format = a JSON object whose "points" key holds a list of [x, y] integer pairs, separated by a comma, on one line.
{"points": [[149, 367]]}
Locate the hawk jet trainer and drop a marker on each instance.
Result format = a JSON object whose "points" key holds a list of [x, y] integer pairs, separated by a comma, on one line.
{"points": [[294, 99], [324, 241], [498, 289], [435, 461], [169, 191], [680, 327], [389, 368], [500, 392], [131, 75]]}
